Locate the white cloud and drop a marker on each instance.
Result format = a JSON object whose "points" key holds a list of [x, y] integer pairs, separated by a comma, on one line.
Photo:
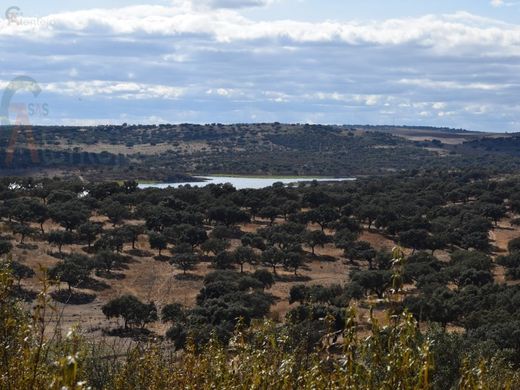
{"points": [[442, 33], [124, 90], [433, 84], [502, 3], [236, 3], [192, 62]]}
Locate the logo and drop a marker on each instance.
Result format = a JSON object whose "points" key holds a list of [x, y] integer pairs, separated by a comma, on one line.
{"points": [[12, 14], [22, 112]]}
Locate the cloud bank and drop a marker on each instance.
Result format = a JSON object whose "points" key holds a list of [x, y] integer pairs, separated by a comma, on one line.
{"points": [[209, 63]]}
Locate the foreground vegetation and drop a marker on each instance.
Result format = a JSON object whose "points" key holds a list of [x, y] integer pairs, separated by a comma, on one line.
{"points": [[264, 355]]}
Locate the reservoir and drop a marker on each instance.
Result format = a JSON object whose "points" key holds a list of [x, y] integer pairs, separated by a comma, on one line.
{"points": [[243, 182]]}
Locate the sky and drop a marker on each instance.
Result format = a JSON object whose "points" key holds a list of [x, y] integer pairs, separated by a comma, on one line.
{"points": [[396, 62]]}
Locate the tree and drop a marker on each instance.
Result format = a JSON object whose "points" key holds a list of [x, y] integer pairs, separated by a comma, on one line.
{"points": [[61, 196], [416, 239], [71, 272], [270, 213], [227, 215], [89, 232], [29, 209], [115, 211], [283, 236], [253, 241], [376, 281], [273, 257], [20, 209], [70, 214], [315, 238], [173, 312], [436, 242], [493, 211], [362, 251], [40, 213], [438, 307], [344, 238], [289, 207], [293, 260], [5, 247], [60, 238], [323, 215], [23, 231], [509, 261], [132, 233], [130, 186], [112, 240], [131, 310], [473, 277], [21, 271], [513, 246], [298, 293], [106, 260], [244, 255], [368, 213], [157, 241], [469, 267], [186, 234], [265, 277], [103, 190], [316, 198], [184, 259], [214, 245], [383, 259], [223, 260]]}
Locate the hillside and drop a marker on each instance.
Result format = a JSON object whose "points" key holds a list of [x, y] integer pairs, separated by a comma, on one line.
{"points": [[170, 152]]}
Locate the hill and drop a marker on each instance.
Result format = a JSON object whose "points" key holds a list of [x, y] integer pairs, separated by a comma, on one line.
{"points": [[171, 152]]}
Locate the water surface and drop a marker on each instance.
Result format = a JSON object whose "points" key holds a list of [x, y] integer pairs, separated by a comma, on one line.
{"points": [[242, 182]]}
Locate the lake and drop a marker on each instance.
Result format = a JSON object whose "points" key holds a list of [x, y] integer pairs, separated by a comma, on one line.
{"points": [[242, 182]]}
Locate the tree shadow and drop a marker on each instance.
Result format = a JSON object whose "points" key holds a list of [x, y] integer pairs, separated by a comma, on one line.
{"points": [[496, 249], [110, 275], [93, 284], [188, 277], [120, 267], [323, 258], [161, 258], [292, 278], [88, 250], [73, 297], [139, 253], [29, 247], [24, 294], [58, 255], [510, 228], [136, 334], [128, 259]]}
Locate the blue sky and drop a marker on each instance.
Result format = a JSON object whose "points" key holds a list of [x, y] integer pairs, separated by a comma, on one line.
{"points": [[439, 63]]}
